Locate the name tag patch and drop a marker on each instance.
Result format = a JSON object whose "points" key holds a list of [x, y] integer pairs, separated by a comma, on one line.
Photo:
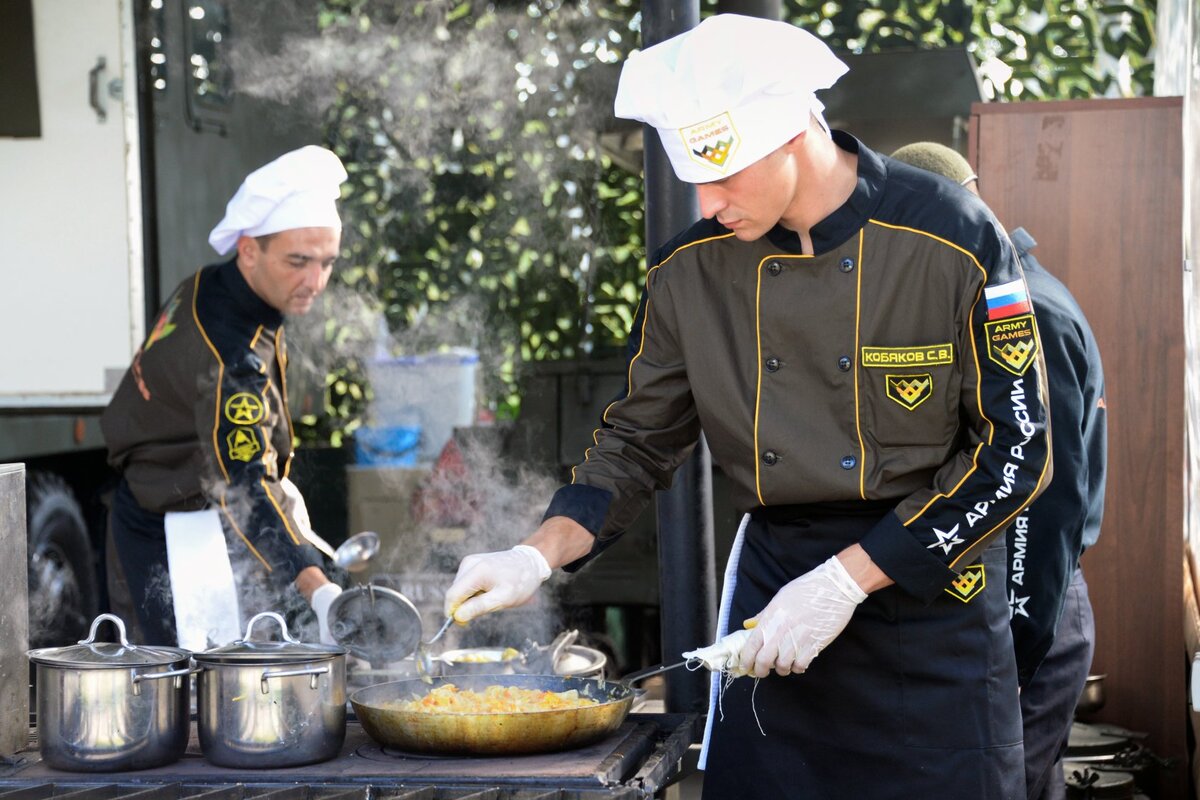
{"points": [[1011, 343], [909, 390], [920, 356]]}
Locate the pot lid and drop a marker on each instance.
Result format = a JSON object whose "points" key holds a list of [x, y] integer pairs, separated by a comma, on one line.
{"points": [[251, 651], [90, 654], [375, 623]]}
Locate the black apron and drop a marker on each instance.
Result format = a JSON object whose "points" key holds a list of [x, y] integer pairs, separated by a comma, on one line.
{"points": [[910, 701]]}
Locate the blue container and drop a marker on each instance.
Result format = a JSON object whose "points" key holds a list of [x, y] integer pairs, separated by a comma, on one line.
{"points": [[387, 446]]}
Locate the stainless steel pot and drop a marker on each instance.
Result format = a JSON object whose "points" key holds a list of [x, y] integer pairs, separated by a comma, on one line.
{"points": [[267, 704], [105, 706]]}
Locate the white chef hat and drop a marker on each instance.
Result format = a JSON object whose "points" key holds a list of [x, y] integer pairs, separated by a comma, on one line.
{"points": [[727, 92], [297, 190]]}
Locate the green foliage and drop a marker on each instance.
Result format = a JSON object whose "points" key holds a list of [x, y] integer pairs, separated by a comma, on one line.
{"points": [[1027, 49], [481, 207]]}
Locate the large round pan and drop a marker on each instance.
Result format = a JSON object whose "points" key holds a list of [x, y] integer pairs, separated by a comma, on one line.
{"points": [[492, 734]]}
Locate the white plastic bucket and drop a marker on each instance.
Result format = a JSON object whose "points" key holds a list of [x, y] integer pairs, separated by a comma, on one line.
{"points": [[434, 392]]}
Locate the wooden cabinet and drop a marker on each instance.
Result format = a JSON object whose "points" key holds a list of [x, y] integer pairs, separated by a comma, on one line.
{"points": [[1098, 185]]}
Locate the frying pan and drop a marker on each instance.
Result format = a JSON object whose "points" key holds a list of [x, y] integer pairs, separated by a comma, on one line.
{"points": [[516, 733]]}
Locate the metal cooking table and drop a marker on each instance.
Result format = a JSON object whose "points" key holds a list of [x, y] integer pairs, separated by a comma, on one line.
{"points": [[640, 759]]}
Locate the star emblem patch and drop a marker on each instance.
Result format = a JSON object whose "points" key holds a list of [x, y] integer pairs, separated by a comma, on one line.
{"points": [[946, 540]]}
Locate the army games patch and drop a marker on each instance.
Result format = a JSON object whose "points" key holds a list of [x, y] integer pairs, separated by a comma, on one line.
{"points": [[910, 390], [969, 584], [1012, 343]]}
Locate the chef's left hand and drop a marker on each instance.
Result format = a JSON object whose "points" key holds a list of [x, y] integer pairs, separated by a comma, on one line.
{"points": [[800, 621]]}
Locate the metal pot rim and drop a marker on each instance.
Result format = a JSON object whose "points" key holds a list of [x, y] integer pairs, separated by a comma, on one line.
{"points": [[90, 654], [250, 652]]}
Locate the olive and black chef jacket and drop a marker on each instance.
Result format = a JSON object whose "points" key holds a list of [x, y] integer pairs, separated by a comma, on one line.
{"points": [[201, 419], [900, 362], [1046, 541]]}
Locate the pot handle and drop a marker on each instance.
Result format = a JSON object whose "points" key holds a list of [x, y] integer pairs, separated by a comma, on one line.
{"points": [[117, 623], [287, 637], [138, 677], [291, 673]]}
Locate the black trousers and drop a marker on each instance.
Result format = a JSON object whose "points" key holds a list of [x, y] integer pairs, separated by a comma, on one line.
{"points": [[910, 701], [1048, 702], [140, 540]]}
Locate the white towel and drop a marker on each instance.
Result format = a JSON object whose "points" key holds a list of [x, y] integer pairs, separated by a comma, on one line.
{"points": [[727, 587], [206, 605]]}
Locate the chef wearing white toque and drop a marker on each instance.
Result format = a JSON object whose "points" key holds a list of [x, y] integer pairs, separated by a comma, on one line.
{"points": [[199, 428], [854, 340]]}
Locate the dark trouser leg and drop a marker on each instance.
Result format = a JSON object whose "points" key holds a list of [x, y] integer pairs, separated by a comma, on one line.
{"points": [[1048, 702], [141, 547]]}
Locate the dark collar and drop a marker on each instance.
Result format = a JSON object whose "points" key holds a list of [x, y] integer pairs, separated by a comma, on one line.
{"points": [[852, 215], [247, 303]]}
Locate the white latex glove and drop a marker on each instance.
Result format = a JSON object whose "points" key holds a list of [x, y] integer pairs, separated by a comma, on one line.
{"points": [[495, 580], [723, 655], [299, 509], [322, 598], [800, 621]]}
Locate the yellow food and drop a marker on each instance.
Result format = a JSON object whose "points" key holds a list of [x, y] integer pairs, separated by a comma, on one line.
{"points": [[508, 654], [449, 699]]}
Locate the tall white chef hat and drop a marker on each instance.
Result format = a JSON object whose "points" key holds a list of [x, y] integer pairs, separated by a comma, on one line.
{"points": [[727, 92], [297, 190]]}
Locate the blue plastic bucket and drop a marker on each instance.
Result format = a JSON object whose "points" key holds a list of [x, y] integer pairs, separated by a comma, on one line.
{"points": [[393, 445]]}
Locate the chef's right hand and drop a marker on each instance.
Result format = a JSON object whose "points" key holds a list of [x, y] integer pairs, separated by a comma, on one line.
{"points": [[489, 581]]}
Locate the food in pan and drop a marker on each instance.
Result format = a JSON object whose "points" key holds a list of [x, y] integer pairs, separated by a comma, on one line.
{"points": [[449, 699], [485, 656]]}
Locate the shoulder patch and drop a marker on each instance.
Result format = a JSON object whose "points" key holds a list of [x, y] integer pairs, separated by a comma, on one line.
{"points": [[164, 327], [1011, 342]]}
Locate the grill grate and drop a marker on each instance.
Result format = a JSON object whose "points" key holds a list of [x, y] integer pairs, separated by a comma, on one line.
{"points": [[241, 791]]}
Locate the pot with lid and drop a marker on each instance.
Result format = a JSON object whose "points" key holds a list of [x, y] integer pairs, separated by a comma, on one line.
{"points": [[267, 704], [109, 706]]}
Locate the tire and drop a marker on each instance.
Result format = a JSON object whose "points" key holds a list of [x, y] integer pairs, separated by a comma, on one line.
{"points": [[63, 590]]}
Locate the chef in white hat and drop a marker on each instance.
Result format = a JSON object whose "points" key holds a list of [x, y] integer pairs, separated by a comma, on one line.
{"points": [[199, 428], [854, 339]]}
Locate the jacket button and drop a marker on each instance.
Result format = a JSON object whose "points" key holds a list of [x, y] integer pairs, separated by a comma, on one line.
{"points": [[844, 363], [774, 268], [848, 462], [772, 364], [847, 265], [770, 458]]}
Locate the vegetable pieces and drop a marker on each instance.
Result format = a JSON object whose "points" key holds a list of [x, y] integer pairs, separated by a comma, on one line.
{"points": [[449, 699]]}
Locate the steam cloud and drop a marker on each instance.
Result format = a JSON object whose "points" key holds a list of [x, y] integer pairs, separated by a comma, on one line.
{"points": [[421, 84]]}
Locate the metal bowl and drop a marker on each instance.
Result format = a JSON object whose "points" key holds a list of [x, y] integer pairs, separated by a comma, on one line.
{"points": [[1091, 699], [579, 661]]}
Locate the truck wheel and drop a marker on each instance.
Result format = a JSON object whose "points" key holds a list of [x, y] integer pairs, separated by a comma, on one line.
{"points": [[62, 580]]}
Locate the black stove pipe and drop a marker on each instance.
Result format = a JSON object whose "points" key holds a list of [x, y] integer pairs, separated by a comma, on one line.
{"points": [[687, 571]]}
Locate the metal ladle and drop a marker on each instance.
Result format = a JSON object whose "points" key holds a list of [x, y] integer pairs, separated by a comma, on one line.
{"points": [[353, 554]]}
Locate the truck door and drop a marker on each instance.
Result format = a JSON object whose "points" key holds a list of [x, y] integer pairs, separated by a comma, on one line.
{"points": [[70, 209]]}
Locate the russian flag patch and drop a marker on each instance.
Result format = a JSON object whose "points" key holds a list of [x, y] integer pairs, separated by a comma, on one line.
{"points": [[1007, 300]]}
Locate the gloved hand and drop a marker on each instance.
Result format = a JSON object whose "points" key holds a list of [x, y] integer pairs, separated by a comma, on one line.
{"points": [[322, 598], [299, 508], [800, 621], [489, 581]]}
